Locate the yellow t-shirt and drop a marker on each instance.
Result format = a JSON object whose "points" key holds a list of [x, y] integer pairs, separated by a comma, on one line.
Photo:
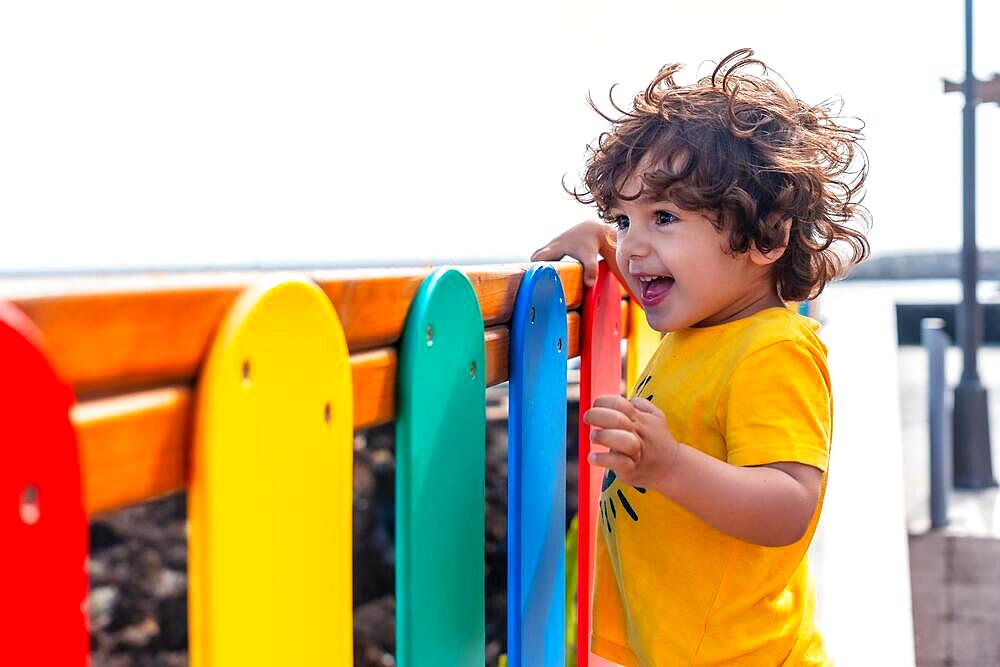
{"points": [[670, 589]]}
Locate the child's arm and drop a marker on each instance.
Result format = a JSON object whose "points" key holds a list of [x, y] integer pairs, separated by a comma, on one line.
{"points": [[584, 242], [770, 505]]}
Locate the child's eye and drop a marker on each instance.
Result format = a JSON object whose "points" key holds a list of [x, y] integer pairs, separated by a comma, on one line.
{"points": [[620, 222], [665, 218]]}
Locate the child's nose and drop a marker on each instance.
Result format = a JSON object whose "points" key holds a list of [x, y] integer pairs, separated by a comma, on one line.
{"points": [[635, 242]]}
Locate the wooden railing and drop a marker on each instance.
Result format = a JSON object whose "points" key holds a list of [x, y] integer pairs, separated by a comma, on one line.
{"points": [[131, 348]]}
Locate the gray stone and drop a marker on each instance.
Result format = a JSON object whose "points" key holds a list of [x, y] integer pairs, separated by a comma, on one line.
{"points": [[101, 603]]}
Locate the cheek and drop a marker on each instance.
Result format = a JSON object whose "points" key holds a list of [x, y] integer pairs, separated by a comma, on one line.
{"points": [[714, 257], [708, 275], [620, 256]]}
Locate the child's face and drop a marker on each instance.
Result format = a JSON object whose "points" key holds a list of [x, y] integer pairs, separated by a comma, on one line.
{"points": [[697, 279]]}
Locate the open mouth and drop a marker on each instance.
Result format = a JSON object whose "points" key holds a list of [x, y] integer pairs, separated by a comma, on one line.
{"points": [[654, 289]]}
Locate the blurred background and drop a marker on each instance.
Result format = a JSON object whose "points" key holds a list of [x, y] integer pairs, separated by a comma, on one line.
{"points": [[187, 134], [140, 136]]}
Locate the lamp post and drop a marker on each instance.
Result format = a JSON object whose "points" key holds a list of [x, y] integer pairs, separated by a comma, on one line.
{"points": [[973, 461]]}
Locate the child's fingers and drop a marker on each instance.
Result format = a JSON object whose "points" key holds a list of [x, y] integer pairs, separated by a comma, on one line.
{"points": [[612, 460], [623, 442], [607, 418], [615, 402], [649, 416], [546, 253], [589, 272], [647, 406]]}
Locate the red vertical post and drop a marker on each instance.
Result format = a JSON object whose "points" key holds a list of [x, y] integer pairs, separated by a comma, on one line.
{"points": [[43, 525], [600, 373]]}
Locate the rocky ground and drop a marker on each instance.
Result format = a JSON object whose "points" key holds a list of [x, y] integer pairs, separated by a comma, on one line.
{"points": [[138, 561], [138, 586]]}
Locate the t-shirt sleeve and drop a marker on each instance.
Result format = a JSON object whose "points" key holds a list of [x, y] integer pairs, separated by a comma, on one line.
{"points": [[779, 407]]}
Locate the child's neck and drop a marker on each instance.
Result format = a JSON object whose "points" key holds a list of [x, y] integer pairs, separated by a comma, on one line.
{"points": [[749, 304]]}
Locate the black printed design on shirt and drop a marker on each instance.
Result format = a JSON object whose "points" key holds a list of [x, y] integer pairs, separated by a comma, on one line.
{"points": [[642, 386], [609, 508]]}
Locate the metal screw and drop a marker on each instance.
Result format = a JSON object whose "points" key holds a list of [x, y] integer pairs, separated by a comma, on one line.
{"points": [[326, 412], [246, 373], [559, 345], [430, 335], [30, 511], [472, 370], [532, 314]]}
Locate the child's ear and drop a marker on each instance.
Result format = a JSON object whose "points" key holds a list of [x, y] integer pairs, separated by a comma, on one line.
{"points": [[771, 256]]}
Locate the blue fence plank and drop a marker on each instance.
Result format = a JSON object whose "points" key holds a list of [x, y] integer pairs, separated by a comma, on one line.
{"points": [[536, 474]]}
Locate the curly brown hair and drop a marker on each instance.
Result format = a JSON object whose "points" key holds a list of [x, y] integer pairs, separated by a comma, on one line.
{"points": [[754, 155]]}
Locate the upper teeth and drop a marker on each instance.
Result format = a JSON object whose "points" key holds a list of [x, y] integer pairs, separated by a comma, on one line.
{"points": [[646, 279]]}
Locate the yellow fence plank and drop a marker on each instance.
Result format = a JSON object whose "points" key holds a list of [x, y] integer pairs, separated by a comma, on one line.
{"points": [[270, 493], [642, 342]]}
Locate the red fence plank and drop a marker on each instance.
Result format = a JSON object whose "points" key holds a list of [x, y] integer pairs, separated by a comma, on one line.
{"points": [[43, 526], [600, 373]]}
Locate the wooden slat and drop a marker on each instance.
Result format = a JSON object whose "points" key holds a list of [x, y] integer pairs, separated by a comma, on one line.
{"points": [[374, 377], [573, 330], [134, 446], [121, 333], [497, 351]]}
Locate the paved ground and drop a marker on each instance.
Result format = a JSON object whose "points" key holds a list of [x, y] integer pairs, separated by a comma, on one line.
{"points": [[954, 572], [955, 582]]}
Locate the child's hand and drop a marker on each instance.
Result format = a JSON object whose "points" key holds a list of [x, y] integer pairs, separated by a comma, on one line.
{"points": [[642, 448], [581, 242]]}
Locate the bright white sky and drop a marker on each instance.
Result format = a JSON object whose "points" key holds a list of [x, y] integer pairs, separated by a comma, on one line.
{"points": [[199, 133]]}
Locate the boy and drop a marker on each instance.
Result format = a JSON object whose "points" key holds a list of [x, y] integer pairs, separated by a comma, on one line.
{"points": [[728, 197]]}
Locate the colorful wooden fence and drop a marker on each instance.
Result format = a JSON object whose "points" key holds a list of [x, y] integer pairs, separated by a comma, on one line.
{"points": [[246, 390]]}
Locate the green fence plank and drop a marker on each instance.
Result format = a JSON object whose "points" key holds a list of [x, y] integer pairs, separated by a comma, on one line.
{"points": [[441, 477]]}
